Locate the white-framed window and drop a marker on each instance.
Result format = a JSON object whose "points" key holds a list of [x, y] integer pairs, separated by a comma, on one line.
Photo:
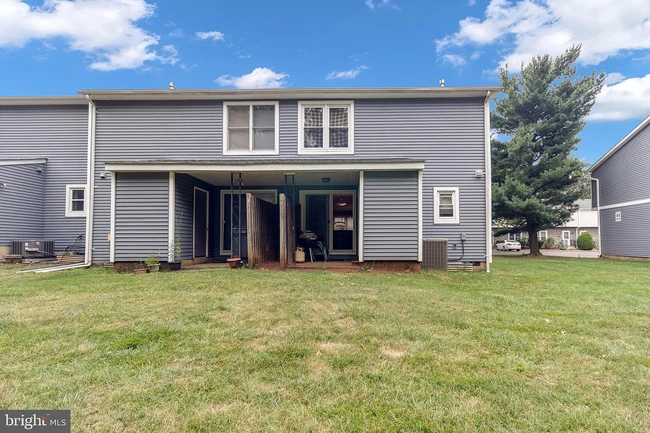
{"points": [[618, 217], [514, 237], [446, 209], [542, 235], [251, 128], [326, 127], [75, 200]]}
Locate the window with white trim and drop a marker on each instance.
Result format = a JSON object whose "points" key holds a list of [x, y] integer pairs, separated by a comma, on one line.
{"points": [[75, 200], [542, 235], [251, 128], [514, 237], [446, 206], [326, 127]]}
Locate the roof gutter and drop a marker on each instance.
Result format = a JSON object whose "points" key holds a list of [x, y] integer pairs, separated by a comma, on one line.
{"points": [[292, 93]]}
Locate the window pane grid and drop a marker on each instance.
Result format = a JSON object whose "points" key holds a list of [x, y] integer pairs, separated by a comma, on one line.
{"points": [[325, 127], [251, 128]]}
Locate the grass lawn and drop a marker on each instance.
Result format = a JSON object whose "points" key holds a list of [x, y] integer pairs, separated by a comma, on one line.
{"points": [[537, 345]]}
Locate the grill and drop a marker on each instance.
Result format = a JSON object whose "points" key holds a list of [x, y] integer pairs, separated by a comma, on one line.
{"points": [[33, 248], [434, 254]]}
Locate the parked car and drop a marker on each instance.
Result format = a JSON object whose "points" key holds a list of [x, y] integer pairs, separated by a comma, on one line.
{"points": [[508, 246]]}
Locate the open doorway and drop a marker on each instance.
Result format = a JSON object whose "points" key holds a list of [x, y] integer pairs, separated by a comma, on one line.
{"points": [[331, 215]]}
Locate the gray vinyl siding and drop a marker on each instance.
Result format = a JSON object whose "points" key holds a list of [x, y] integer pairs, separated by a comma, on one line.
{"points": [[60, 135], [136, 130], [184, 219], [631, 236], [141, 216], [625, 176], [390, 215], [23, 199], [449, 135]]}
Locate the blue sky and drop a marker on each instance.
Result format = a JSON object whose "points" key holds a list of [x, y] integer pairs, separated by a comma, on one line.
{"points": [[58, 47]]}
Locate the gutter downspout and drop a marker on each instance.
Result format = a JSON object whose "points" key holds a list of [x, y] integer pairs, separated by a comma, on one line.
{"points": [[92, 113], [600, 238], [488, 186]]}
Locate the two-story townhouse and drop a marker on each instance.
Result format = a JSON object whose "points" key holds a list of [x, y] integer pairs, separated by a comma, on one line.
{"points": [[621, 194], [370, 172]]}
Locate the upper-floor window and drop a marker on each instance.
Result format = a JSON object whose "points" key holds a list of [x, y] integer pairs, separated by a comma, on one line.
{"points": [[326, 127], [75, 200], [446, 206], [251, 128]]}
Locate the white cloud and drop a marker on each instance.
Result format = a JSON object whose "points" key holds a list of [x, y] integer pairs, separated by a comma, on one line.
{"points": [[475, 55], [260, 78], [372, 4], [105, 29], [605, 28], [346, 75], [613, 78], [176, 33], [627, 99], [214, 35], [454, 60], [471, 2], [241, 54], [171, 56]]}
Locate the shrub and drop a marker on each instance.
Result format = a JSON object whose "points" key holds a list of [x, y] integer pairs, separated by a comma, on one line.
{"points": [[562, 247], [549, 243], [586, 242]]}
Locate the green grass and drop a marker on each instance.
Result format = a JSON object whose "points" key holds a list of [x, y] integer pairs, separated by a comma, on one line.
{"points": [[537, 345]]}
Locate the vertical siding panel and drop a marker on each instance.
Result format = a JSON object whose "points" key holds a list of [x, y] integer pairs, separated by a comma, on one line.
{"points": [[141, 216], [59, 134], [390, 215]]}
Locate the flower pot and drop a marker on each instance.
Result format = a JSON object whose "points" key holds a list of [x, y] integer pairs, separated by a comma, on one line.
{"points": [[232, 262], [140, 271], [154, 268], [174, 266]]}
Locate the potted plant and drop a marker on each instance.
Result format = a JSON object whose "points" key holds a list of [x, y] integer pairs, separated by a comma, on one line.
{"points": [[140, 268], [175, 250], [153, 263]]}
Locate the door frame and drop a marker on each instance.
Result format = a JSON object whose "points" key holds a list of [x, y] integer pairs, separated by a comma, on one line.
{"points": [[222, 216], [207, 222], [568, 244], [330, 231]]}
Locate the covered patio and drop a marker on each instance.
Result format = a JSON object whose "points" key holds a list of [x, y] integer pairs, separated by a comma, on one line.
{"points": [[261, 211]]}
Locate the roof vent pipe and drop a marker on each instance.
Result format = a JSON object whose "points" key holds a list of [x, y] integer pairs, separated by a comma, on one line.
{"points": [[171, 86], [442, 82]]}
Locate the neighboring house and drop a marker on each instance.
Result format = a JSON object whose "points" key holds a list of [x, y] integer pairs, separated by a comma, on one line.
{"points": [[43, 170], [621, 193], [375, 171], [585, 219]]}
